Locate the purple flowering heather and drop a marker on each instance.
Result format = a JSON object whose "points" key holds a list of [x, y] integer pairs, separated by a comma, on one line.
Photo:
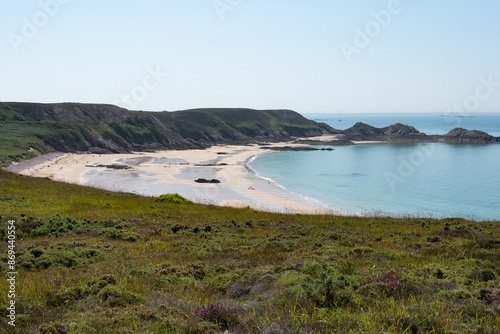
{"points": [[220, 315]]}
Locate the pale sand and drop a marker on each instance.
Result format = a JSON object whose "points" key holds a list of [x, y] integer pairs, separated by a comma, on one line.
{"points": [[156, 173]]}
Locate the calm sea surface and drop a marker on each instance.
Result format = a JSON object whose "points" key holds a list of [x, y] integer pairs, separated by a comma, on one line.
{"points": [[428, 179], [429, 123]]}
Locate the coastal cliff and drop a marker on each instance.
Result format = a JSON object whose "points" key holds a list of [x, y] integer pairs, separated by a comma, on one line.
{"points": [[31, 129]]}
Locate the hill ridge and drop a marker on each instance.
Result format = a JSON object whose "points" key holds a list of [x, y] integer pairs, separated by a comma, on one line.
{"points": [[28, 128]]}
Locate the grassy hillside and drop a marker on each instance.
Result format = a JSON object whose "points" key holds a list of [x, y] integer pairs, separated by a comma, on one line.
{"points": [[93, 261], [239, 123], [27, 128]]}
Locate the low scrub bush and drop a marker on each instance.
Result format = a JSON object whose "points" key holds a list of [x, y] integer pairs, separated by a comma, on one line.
{"points": [[57, 225], [388, 284], [58, 254], [330, 291], [173, 198], [104, 290]]}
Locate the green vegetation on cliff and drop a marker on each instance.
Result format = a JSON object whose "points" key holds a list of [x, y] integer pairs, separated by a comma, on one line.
{"points": [[94, 261], [27, 128]]}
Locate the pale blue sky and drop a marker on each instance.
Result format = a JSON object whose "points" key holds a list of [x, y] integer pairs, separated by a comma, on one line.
{"points": [[262, 54]]}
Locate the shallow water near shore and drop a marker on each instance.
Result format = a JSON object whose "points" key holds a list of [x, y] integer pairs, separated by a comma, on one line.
{"points": [[417, 179]]}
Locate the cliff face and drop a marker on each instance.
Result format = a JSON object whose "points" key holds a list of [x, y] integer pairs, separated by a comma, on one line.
{"points": [[71, 127], [241, 124], [68, 112], [82, 127]]}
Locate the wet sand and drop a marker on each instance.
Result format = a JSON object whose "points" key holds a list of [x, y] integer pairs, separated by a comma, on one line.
{"points": [[153, 174]]}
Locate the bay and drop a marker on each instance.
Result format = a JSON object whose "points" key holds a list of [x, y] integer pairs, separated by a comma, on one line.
{"points": [[397, 179]]}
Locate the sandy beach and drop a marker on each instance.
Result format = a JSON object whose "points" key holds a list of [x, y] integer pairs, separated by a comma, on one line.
{"points": [[153, 174]]}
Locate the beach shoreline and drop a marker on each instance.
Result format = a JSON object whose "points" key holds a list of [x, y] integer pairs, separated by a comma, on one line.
{"points": [[174, 171]]}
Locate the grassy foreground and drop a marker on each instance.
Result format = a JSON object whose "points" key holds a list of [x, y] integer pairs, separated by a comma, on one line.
{"points": [[93, 261]]}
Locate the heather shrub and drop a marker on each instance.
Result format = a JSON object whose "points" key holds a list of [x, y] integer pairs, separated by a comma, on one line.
{"points": [[223, 317], [312, 268], [483, 275], [389, 284], [118, 233], [292, 278], [347, 267], [66, 295], [221, 282], [361, 251], [373, 290], [197, 270], [96, 286], [459, 294], [114, 296], [330, 291], [103, 288], [54, 328], [433, 238]]}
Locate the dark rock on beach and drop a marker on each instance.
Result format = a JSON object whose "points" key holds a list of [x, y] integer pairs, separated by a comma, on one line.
{"points": [[337, 142], [112, 166], [202, 180], [297, 148]]}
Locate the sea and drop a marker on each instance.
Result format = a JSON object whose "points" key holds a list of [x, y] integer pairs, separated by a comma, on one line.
{"points": [[418, 180]]}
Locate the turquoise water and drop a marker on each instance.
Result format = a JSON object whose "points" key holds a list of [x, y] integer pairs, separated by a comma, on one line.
{"points": [[427, 179]]}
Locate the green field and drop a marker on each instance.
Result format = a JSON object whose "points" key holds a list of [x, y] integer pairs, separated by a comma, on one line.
{"points": [[94, 261]]}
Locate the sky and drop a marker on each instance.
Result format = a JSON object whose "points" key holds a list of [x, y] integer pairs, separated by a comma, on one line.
{"points": [[316, 56]]}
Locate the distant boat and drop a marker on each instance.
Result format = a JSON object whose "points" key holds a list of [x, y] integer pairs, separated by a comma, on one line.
{"points": [[340, 120]]}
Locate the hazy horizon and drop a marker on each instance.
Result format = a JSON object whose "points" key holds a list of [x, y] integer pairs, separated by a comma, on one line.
{"points": [[392, 56]]}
